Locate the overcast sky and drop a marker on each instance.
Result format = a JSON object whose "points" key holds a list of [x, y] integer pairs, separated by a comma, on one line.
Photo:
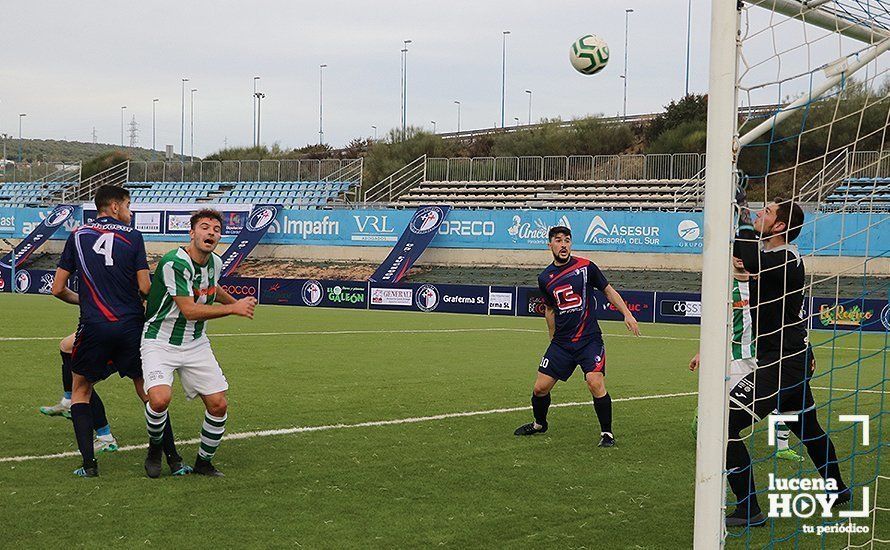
{"points": [[71, 65]]}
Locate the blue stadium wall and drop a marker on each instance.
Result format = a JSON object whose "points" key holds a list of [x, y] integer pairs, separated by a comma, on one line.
{"points": [[826, 234]]}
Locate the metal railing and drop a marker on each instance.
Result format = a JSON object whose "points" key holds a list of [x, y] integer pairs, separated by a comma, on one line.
{"points": [[236, 170], [692, 193], [398, 183], [744, 111], [352, 174], [869, 164], [35, 171], [85, 190], [829, 177], [677, 166], [51, 186]]}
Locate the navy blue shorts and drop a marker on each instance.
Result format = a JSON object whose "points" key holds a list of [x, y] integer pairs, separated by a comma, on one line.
{"points": [[101, 349], [560, 363]]}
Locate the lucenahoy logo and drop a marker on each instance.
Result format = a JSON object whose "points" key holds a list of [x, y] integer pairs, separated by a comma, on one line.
{"points": [[261, 217]]}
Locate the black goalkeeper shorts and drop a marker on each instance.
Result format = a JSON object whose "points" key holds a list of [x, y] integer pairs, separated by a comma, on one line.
{"points": [[776, 386]]}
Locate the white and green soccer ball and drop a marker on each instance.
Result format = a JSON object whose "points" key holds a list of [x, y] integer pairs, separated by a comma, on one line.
{"points": [[589, 54]]}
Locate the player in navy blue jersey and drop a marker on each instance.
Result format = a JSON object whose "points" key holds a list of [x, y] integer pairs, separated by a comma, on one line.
{"points": [[567, 286], [109, 257]]}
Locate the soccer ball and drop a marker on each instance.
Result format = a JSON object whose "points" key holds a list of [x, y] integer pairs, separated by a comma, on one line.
{"points": [[589, 54]]}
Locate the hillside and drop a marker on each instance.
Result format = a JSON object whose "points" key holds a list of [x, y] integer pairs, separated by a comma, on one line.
{"points": [[38, 150]]}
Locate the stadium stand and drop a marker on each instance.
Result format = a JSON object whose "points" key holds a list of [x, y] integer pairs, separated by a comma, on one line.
{"points": [[605, 194], [608, 182], [637, 182], [29, 193], [866, 193], [333, 183]]}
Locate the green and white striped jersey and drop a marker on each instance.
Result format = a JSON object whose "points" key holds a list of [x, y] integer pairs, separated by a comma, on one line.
{"points": [[178, 275], [742, 326]]}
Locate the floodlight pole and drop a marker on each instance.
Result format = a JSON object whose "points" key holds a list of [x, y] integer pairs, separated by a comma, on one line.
{"points": [[21, 116], [123, 108], [405, 88], [627, 13], [154, 103], [688, 41], [255, 79], [320, 102], [182, 122], [529, 92], [456, 102], [192, 125], [503, 74]]}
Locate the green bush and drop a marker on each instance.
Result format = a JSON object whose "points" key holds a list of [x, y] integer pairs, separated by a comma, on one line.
{"points": [[102, 162], [688, 137], [691, 108]]}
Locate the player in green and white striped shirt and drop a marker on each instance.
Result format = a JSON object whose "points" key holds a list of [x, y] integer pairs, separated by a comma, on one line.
{"points": [[744, 353], [183, 291]]}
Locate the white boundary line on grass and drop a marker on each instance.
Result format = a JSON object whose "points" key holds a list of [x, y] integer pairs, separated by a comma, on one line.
{"points": [[376, 423], [401, 331], [317, 333], [370, 424]]}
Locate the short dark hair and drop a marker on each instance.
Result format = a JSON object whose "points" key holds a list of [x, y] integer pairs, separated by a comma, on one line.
{"points": [[107, 194], [206, 213], [558, 229], [791, 214]]}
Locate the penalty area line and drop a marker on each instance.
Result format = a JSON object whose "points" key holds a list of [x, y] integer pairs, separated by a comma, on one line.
{"points": [[342, 426]]}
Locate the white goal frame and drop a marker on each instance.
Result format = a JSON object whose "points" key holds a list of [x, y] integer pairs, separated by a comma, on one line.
{"points": [[723, 145]]}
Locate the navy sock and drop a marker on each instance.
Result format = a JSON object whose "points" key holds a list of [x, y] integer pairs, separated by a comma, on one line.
{"points": [[603, 407], [539, 408], [82, 418], [169, 442], [66, 373], [97, 410]]}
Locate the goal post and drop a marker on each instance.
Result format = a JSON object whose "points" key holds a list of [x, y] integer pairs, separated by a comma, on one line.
{"points": [[715, 336], [827, 146]]}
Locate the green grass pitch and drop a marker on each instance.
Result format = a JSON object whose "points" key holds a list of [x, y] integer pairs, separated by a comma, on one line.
{"points": [[458, 481]]}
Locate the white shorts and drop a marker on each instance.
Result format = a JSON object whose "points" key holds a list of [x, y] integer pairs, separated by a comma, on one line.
{"points": [[199, 373], [739, 369]]}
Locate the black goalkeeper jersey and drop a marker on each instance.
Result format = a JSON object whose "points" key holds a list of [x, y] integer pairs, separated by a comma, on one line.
{"points": [[777, 299]]}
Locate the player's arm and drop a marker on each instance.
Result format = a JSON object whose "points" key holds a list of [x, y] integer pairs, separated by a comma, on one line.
{"points": [[203, 312], [143, 279], [61, 290], [66, 266], [223, 297], [550, 316], [616, 300], [768, 267]]}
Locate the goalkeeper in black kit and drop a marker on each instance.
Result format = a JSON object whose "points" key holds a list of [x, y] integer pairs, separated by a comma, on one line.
{"points": [[781, 379]]}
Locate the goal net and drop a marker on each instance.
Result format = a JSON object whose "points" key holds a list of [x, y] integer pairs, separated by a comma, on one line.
{"points": [[822, 146]]}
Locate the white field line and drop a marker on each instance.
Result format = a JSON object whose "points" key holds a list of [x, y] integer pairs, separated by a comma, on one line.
{"points": [[376, 423], [400, 331], [371, 424]]}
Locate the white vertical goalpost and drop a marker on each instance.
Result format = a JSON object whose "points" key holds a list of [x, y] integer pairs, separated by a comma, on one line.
{"points": [[723, 146]]}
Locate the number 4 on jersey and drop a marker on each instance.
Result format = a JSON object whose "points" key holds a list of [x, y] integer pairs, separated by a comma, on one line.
{"points": [[103, 247]]}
